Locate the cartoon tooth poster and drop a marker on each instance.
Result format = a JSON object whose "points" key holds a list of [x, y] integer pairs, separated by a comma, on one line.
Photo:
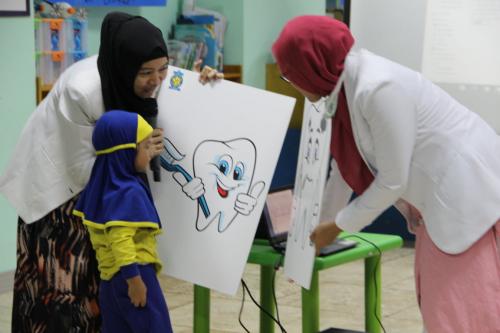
{"points": [[312, 167], [222, 142]]}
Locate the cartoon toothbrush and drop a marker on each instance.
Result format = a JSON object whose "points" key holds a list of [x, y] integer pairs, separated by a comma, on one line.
{"points": [[168, 157]]}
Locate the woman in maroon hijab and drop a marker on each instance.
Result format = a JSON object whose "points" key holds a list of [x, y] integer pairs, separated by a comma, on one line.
{"points": [[399, 139]]}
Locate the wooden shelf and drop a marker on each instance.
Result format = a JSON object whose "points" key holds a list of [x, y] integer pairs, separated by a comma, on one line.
{"points": [[233, 73], [42, 90], [229, 76], [275, 84]]}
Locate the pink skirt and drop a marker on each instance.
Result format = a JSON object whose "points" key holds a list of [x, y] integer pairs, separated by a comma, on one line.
{"points": [[459, 293]]}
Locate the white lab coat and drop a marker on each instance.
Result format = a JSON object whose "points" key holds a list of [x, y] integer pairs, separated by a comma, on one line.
{"points": [[54, 156], [423, 147]]}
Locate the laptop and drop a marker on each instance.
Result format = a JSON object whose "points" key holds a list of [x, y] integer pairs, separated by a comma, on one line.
{"points": [[276, 221]]}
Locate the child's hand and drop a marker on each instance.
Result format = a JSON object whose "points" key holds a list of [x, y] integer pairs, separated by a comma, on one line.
{"points": [[156, 143], [137, 291]]}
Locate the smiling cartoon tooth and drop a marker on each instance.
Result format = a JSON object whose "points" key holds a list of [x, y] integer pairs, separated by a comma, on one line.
{"points": [[223, 174]]}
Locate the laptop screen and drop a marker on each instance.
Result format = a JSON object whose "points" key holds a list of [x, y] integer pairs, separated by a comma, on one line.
{"points": [[278, 213]]}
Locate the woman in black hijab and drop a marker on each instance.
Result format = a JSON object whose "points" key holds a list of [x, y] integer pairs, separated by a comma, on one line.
{"points": [[132, 63], [56, 282], [127, 43]]}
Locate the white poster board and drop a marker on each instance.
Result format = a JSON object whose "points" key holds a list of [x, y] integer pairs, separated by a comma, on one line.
{"points": [[312, 167], [222, 145]]}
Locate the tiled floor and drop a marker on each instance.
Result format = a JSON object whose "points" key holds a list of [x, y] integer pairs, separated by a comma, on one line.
{"points": [[341, 300]]}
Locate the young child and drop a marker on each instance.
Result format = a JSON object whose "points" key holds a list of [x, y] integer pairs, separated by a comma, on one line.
{"points": [[118, 209]]}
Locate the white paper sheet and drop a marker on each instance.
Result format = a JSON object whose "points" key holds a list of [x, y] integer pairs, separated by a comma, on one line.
{"points": [[312, 167]]}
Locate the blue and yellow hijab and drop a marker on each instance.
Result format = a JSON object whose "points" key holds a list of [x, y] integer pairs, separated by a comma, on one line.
{"points": [[115, 194]]}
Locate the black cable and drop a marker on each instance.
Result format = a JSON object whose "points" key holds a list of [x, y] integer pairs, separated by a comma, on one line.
{"points": [[274, 295], [241, 311], [276, 267], [261, 308], [374, 276]]}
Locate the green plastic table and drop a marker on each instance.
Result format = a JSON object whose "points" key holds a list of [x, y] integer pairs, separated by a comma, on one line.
{"points": [[265, 256]]}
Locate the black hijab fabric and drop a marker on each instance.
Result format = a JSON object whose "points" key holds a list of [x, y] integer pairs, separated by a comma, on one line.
{"points": [[126, 43]]}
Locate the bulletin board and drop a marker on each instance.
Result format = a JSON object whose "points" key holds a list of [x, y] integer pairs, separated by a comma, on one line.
{"points": [[453, 43]]}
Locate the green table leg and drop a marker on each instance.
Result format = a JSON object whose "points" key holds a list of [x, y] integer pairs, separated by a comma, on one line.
{"points": [[310, 306], [373, 287], [201, 315], [266, 299]]}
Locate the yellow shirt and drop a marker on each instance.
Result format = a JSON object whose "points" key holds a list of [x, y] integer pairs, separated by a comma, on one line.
{"points": [[119, 246]]}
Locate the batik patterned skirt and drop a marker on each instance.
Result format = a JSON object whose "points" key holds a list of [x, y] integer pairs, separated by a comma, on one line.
{"points": [[56, 280]]}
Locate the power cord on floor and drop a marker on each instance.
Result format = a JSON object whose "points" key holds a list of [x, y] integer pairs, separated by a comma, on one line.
{"points": [[273, 284], [241, 310], [374, 276], [245, 288]]}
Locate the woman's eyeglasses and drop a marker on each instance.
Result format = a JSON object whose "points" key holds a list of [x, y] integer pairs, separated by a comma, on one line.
{"points": [[284, 79]]}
